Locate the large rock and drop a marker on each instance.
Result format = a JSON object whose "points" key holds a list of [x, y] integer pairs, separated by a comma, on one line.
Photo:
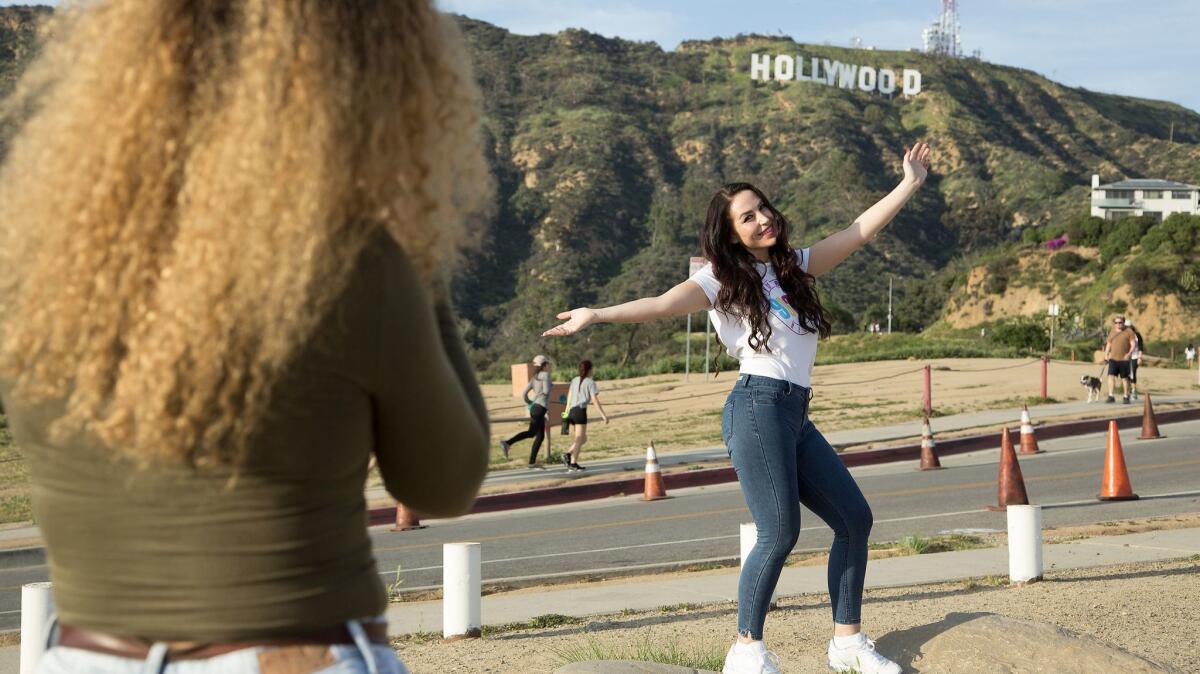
{"points": [[625, 667], [984, 643]]}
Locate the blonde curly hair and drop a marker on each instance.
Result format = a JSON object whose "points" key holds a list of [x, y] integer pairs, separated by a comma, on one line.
{"points": [[191, 187]]}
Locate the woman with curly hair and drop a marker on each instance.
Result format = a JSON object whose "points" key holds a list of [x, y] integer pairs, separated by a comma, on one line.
{"points": [[221, 225], [761, 295]]}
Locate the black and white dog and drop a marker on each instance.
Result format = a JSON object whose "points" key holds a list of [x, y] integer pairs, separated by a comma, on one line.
{"points": [[1092, 386]]}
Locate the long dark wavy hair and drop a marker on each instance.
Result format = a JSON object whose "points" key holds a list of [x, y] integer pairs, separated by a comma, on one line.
{"points": [[741, 285]]}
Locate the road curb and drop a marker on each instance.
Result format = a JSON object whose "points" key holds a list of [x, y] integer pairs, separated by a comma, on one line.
{"points": [[708, 476]]}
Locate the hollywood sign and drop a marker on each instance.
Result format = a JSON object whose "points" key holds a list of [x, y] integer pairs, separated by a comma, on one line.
{"points": [[835, 74]]}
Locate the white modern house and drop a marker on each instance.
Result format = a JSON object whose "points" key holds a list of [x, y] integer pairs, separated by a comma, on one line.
{"points": [[1158, 198]]}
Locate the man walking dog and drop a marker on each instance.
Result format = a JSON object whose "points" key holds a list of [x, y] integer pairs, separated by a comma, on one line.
{"points": [[1116, 351]]}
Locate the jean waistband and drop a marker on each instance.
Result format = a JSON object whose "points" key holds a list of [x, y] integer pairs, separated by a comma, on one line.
{"points": [[759, 381]]}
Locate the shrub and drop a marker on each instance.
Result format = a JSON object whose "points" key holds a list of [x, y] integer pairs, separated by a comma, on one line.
{"points": [[1020, 333], [1176, 234], [1124, 235], [1068, 261], [998, 273], [1144, 280], [1085, 230]]}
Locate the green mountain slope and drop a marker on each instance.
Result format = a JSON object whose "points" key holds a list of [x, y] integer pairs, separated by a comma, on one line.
{"points": [[606, 152]]}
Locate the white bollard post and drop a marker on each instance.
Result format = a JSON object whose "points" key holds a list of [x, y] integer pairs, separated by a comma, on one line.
{"points": [[460, 590], [37, 605], [1024, 543], [749, 536]]}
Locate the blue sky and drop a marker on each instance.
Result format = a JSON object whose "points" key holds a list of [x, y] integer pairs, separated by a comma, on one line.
{"points": [[1148, 49]]}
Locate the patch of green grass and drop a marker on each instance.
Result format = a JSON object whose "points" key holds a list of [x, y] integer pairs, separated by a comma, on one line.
{"points": [[415, 638], [986, 581], [921, 545], [666, 651], [393, 588], [914, 545], [675, 608], [540, 622], [954, 542]]}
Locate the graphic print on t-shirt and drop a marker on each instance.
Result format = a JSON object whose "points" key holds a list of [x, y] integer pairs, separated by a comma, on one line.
{"points": [[780, 308]]}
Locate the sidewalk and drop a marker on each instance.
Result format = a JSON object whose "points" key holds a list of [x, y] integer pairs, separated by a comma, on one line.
{"points": [[721, 586]]}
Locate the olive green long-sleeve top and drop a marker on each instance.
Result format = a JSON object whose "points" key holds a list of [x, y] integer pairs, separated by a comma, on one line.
{"points": [[180, 554]]}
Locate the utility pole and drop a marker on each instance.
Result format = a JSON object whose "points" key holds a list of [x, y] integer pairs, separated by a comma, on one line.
{"points": [[889, 305]]}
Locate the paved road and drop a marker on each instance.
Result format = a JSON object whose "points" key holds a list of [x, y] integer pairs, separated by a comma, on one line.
{"points": [[702, 524]]}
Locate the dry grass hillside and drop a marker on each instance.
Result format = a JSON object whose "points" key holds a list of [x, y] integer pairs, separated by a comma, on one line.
{"points": [[1090, 295]]}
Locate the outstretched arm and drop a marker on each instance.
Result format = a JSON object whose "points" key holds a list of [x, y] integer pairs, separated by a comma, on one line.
{"points": [[830, 251], [685, 298]]}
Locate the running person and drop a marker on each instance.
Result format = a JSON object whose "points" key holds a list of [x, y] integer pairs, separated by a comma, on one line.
{"points": [[761, 295], [539, 386], [583, 391]]}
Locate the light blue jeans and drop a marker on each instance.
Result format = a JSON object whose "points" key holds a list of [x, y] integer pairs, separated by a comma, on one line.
{"points": [[362, 657]]}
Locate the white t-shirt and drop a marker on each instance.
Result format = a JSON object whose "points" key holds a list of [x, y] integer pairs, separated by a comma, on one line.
{"points": [[791, 351]]}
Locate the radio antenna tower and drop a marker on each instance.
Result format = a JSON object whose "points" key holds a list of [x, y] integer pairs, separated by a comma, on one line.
{"points": [[942, 37]]}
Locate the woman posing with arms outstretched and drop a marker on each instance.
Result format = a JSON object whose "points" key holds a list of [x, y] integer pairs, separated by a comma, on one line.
{"points": [[761, 295]]}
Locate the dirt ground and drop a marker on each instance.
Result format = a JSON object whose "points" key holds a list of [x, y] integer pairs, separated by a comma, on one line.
{"points": [[680, 415], [1110, 604]]}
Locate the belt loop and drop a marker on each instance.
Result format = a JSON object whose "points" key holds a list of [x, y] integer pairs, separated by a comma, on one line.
{"points": [[364, 645], [156, 660], [745, 380]]}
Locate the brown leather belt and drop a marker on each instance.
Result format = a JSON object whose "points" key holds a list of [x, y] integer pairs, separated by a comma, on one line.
{"points": [[126, 647]]}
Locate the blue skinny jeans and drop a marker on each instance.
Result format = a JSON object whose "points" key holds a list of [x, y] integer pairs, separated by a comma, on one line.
{"points": [[782, 460]]}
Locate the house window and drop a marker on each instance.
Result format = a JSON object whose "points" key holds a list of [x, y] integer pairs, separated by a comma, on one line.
{"points": [[1152, 194], [1181, 194], [1119, 194], [1114, 215], [1157, 215]]}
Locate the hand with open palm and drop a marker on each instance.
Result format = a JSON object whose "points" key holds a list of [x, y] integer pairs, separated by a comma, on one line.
{"points": [[576, 320], [916, 163]]}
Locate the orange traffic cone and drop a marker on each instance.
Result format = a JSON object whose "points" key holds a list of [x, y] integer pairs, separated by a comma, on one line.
{"points": [[929, 457], [1114, 485], [1149, 423], [1028, 439], [406, 519], [1012, 484], [655, 489]]}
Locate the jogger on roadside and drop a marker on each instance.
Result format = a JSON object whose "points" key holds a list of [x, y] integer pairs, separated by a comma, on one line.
{"points": [[761, 296], [539, 386], [583, 391]]}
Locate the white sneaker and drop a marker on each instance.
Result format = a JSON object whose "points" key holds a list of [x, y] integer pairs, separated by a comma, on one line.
{"points": [[860, 657], [751, 658]]}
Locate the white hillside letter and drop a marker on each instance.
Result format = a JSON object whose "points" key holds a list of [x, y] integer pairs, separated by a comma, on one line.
{"points": [[866, 78], [887, 81], [846, 75], [785, 67], [912, 82], [760, 66]]}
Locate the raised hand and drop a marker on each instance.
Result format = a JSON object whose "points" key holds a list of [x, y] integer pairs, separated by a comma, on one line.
{"points": [[916, 163], [576, 320]]}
